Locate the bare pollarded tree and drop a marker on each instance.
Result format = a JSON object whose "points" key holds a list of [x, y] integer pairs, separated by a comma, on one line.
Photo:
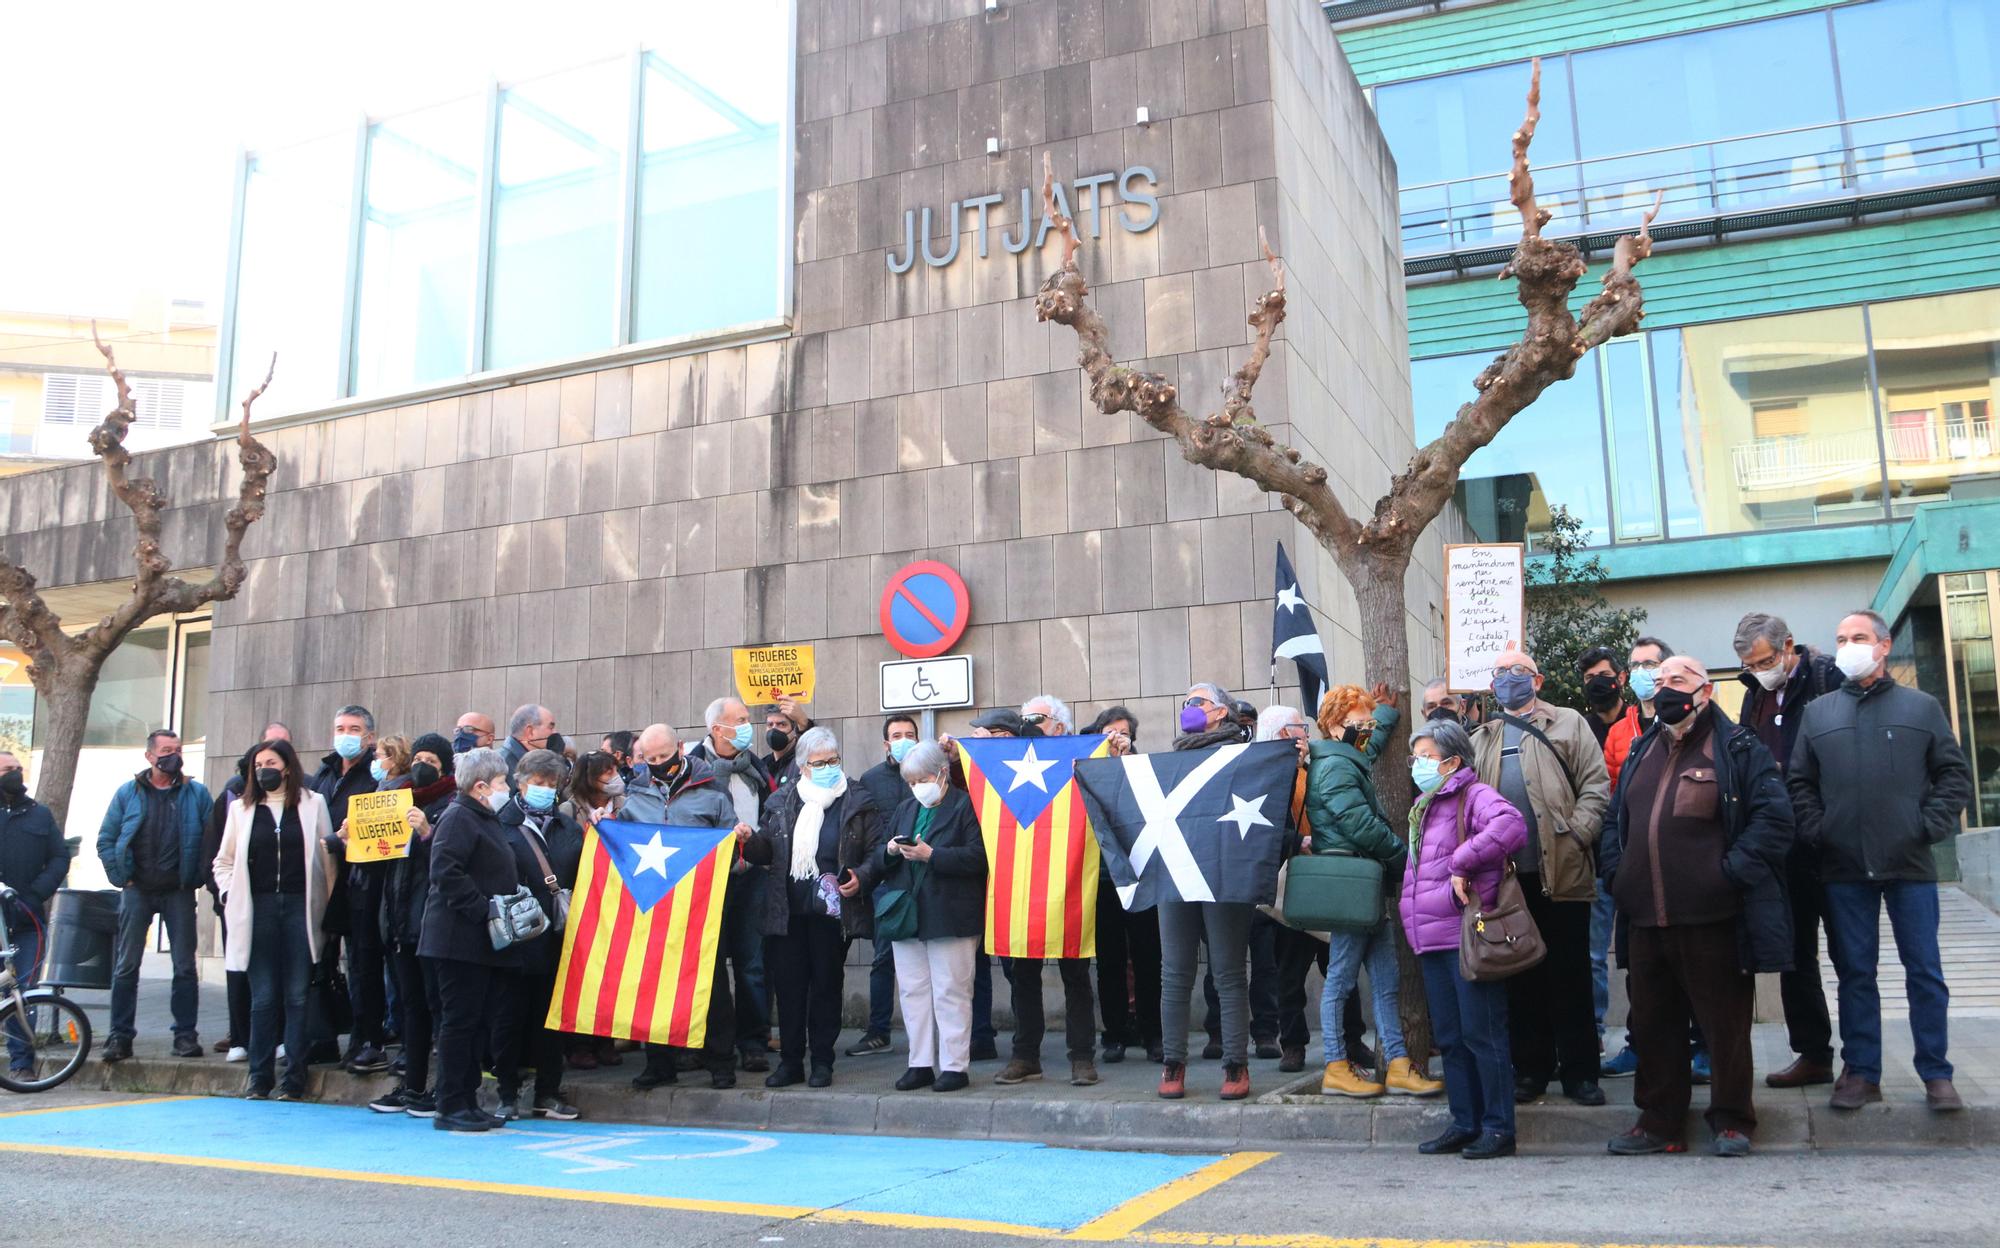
{"points": [[64, 665], [1373, 553]]}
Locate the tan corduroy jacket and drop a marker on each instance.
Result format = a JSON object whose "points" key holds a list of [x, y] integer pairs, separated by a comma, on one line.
{"points": [[1566, 821]]}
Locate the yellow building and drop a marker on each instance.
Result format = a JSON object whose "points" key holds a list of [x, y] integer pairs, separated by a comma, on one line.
{"points": [[53, 388]]}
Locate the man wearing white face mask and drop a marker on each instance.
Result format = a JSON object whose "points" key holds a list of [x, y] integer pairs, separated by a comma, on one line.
{"points": [[1782, 678], [747, 781], [1877, 778]]}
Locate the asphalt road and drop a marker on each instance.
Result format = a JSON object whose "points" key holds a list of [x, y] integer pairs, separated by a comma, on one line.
{"points": [[1318, 1200]]}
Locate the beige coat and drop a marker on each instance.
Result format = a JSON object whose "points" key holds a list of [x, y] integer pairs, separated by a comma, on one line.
{"points": [[314, 825], [1567, 823]]}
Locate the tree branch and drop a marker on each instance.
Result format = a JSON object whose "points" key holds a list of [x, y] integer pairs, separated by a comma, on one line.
{"points": [[1520, 183], [27, 621], [1229, 440]]}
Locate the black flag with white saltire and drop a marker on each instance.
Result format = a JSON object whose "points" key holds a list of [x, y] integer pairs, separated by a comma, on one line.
{"points": [[1193, 825], [1295, 637]]}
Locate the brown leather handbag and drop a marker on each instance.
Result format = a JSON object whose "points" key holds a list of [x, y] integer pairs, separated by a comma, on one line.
{"points": [[1501, 942]]}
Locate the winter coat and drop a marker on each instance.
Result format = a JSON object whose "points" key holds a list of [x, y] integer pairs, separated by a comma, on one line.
{"points": [[128, 812], [1756, 817], [472, 861], [1618, 742], [698, 801], [33, 859], [1341, 805], [336, 782], [1877, 778], [562, 845], [951, 898], [1468, 829], [861, 834], [1814, 676], [232, 860], [1228, 732], [409, 883], [1566, 819], [884, 782]]}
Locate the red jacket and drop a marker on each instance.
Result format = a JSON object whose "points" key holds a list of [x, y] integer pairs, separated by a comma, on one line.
{"points": [[1618, 742]]}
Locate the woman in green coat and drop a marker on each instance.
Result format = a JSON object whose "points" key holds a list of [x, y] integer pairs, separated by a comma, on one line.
{"points": [[1347, 818]]}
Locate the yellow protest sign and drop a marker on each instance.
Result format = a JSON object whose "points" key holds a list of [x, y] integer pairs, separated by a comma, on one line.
{"points": [[378, 826], [765, 672]]}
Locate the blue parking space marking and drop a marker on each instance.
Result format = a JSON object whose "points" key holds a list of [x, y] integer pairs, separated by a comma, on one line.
{"points": [[1025, 1185]]}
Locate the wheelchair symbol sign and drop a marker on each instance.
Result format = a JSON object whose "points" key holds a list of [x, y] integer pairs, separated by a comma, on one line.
{"points": [[927, 684]]}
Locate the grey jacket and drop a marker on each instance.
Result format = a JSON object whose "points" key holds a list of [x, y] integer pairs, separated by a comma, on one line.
{"points": [[1877, 778], [698, 801]]}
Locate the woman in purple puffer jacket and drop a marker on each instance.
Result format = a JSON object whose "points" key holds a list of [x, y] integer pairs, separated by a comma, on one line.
{"points": [[1461, 832]]}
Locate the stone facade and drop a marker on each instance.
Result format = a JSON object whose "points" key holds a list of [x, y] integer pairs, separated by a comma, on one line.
{"points": [[597, 542]]}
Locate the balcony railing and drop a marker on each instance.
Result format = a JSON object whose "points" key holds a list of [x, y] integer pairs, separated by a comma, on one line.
{"points": [[1802, 462], [1777, 168]]}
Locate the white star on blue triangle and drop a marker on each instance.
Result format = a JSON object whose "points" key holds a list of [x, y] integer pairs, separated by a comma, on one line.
{"points": [[1028, 772], [652, 858]]}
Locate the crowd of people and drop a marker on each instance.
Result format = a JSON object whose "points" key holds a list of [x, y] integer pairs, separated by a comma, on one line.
{"points": [[1650, 832]]}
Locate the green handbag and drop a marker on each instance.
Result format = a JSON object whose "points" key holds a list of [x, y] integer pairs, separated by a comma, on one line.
{"points": [[896, 909], [1335, 892]]}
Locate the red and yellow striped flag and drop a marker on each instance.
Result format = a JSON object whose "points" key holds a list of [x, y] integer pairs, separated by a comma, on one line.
{"points": [[1041, 855], [644, 923]]}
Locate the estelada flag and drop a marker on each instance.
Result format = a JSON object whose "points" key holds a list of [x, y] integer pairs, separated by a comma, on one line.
{"points": [[1041, 856], [644, 922]]}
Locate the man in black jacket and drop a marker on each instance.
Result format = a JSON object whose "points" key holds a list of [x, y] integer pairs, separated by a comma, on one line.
{"points": [[1783, 678], [1693, 849], [357, 895], [33, 862], [885, 784], [748, 782], [1877, 778]]}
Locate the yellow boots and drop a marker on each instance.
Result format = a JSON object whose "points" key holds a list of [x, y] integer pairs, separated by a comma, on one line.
{"points": [[1406, 1080], [1346, 1079]]}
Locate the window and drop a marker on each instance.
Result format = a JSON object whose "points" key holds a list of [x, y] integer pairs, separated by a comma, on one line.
{"points": [[85, 398], [1937, 360], [1550, 455], [291, 273], [131, 696], [559, 205]]}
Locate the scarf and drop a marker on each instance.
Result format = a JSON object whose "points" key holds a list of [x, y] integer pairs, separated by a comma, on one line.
{"points": [[741, 768], [813, 802]]}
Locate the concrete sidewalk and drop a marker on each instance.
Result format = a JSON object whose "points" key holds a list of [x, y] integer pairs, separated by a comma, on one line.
{"points": [[1123, 1111]]}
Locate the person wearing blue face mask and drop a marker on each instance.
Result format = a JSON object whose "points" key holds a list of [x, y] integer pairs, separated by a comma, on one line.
{"points": [[823, 834], [357, 896], [885, 784], [548, 849], [748, 782], [1643, 678]]}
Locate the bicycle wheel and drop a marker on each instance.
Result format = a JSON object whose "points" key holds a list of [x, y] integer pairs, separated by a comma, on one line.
{"points": [[57, 1032]]}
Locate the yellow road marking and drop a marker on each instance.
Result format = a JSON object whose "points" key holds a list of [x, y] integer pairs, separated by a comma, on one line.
{"points": [[64, 1109], [1146, 1206], [1207, 1239]]}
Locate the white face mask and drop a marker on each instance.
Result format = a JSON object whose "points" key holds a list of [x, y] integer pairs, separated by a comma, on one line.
{"points": [[1855, 659], [496, 798], [1773, 678], [929, 793]]}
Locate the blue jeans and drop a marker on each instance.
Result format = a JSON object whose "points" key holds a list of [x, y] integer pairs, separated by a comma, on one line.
{"points": [[982, 1000], [136, 909], [1469, 1023], [25, 930], [1600, 955], [881, 987], [280, 973], [746, 959], [1346, 952], [1853, 937]]}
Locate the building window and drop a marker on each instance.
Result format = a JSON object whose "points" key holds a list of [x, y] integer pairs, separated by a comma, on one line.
{"points": [[131, 696], [1937, 360], [86, 398], [291, 273], [1913, 65]]}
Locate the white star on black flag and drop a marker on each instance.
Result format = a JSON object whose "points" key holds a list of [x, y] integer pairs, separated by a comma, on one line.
{"points": [[1295, 637]]}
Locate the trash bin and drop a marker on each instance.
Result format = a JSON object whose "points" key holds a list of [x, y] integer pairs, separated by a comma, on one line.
{"points": [[83, 938]]}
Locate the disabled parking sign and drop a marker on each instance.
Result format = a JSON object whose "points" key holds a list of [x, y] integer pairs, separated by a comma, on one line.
{"points": [[925, 609]]}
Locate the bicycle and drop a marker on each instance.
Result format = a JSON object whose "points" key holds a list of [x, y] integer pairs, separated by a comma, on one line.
{"points": [[55, 1028]]}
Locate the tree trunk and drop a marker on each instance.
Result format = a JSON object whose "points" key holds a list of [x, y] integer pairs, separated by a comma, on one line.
{"points": [[1385, 654], [66, 694]]}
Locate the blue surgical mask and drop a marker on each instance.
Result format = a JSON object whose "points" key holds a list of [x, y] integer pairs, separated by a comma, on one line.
{"points": [[900, 748], [1514, 691], [539, 797], [827, 776], [347, 745], [379, 770], [1425, 772], [741, 737], [1645, 683], [464, 739]]}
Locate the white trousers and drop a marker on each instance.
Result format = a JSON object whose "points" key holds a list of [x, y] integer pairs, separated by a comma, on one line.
{"points": [[934, 983]]}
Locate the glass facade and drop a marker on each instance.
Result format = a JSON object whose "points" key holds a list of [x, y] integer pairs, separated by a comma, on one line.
{"points": [[618, 203], [1840, 101], [1739, 426], [1967, 599]]}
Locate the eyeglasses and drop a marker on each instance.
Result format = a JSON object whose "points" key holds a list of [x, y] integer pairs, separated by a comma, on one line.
{"points": [[1518, 669], [824, 762], [1036, 718], [1766, 665], [1647, 665], [1196, 700]]}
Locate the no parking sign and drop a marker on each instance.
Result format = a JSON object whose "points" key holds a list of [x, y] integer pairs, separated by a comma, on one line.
{"points": [[925, 609]]}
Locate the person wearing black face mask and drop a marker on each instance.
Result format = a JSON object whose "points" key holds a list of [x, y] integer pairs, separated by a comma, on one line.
{"points": [[406, 893], [33, 863], [784, 723], [150, 845], [1603, 689]]}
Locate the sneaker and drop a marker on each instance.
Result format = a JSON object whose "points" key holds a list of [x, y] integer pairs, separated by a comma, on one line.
{"points": [[1113, 1054], [1212, 1051], [1268, 1051], [1404, 1079], [1639, 1142], [369, 1060], [1732, 1144], [237, 1053], [420, 1105], [1624, 1066], [287, 1094], [281, 1052], [1700, 1070], [186, 1046], [1019, 1070], [1082, 1073], [916, 1077], [391, 1102], [868, 1046], [554, 1107], [1346, 1079], [1293, 1061], [463, 1120], [1173, 1081], [951, 1081], [256, 1094], [1235, 1082], [1488, 1146]]}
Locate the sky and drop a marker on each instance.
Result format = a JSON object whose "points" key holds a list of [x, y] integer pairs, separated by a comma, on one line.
{"points": [[120, 122]]}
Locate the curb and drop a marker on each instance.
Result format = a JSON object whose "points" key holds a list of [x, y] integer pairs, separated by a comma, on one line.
{"points": [[1288, 1119]]}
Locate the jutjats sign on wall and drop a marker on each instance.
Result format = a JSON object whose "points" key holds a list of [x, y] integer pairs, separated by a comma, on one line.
{"points": [[1137, 204]]}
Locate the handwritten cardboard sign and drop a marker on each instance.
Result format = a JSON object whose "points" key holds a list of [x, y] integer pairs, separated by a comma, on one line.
{"points": [[763, 673], [1484, 610], [378, 826]]}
